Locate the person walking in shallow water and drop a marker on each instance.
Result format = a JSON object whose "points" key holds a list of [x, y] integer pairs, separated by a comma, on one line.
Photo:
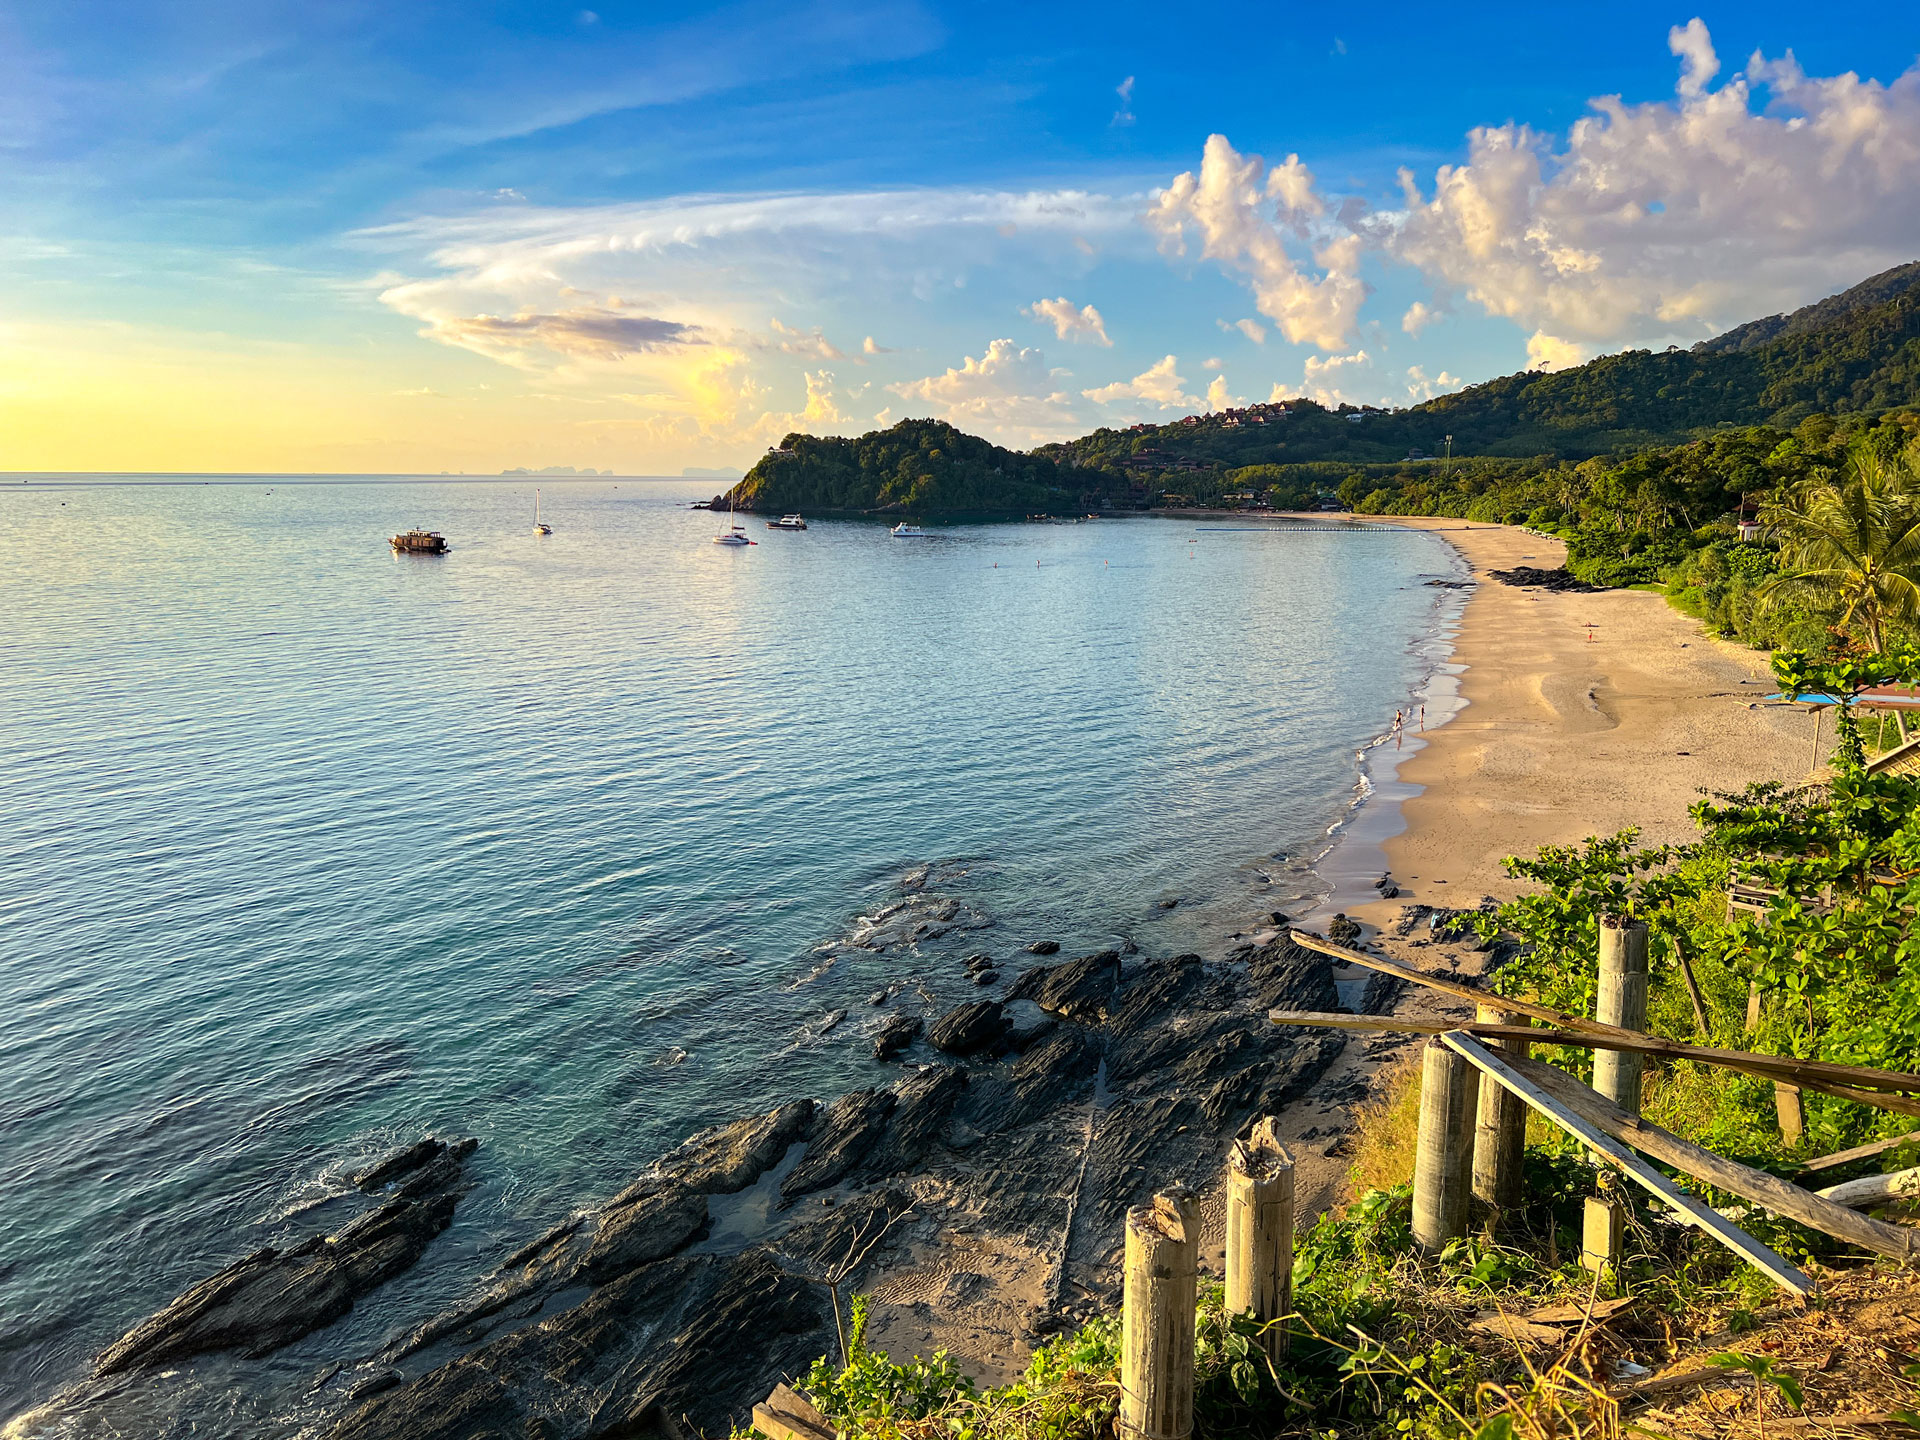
{"points": [[1399, 720]]}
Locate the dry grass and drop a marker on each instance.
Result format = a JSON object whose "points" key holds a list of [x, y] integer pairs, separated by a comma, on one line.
{"points": [[1385, 1132]]}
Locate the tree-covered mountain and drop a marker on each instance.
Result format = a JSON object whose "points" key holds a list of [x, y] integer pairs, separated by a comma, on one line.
{"points": [[919, 467], [1854, 354]]}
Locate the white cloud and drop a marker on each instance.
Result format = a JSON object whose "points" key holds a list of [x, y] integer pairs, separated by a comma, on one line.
{"points": [[1419, 315], [804, 342], [1008, 393], [1421, 386], [1124, 115], [1084, 324], [1253, 330], [869, 347], [1324, 376], [1158, 385], [1218, 398], [1550, 352], [1226, 204], [1213, 362], [1675, 218]]}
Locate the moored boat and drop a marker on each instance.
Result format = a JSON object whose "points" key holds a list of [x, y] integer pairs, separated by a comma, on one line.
{"points": [[539, 527], [904, 531], [787, 522], [421, 542]]}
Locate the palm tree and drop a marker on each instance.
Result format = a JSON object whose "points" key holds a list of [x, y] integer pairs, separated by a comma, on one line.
{"points": [[1852, 542]]}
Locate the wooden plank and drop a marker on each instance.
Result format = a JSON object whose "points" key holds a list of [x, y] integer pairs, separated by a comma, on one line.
{"points": [[1874, 1189], [1704, 1216], [1771, 1067], [787, 1415], [1861, 1152], [1756, 1186]]}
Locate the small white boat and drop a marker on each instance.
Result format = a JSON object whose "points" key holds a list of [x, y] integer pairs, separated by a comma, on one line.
{"points": [[904, 531], [733, 534], [787, 522], [538, 527]]}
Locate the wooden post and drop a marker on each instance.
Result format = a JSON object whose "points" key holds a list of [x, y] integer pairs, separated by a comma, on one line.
{"points": [[1791, 1106], [1622, 1001], [1500, 1137], [1443, 1159], [1156, 1360], [1603, 1233], [1260, 1232], [1753, 1006]]}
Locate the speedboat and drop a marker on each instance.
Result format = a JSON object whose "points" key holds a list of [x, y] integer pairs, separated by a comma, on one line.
{"points": [[904, 531], [787, 522]]}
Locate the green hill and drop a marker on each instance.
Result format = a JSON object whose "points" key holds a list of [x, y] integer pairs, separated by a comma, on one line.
{"points": [[1857, 353], [918, 467]]}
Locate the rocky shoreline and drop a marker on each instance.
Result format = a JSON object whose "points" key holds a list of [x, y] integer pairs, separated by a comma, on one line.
{"points": [[981, 1193]]}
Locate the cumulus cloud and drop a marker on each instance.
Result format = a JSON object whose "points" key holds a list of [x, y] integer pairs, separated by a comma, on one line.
{"points": [[1009, 391], [1213, 362], [1324, 377], [1084, 324], [1674, 217], [804, 342], [1245, 215], [869, 347], [1421, 386], [1419, 315], [1550, 352], [585, 333], [1218, 398], [1159, 385]]}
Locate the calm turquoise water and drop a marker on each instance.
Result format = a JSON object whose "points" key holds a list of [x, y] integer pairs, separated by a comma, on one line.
{"points": [[308, 847]]}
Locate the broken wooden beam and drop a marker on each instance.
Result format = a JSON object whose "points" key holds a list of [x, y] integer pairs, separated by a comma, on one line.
{"points": [[1527, 1087], [1874, 1189], [1862, 1152], [1757, 1187], [788, 1415]]}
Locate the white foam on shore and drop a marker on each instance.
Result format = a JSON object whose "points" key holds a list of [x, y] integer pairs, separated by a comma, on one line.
{"points": [[1354, 856]]}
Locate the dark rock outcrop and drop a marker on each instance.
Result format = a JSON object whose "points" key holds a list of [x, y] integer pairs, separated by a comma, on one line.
{"points": [[275, 1296], [647, 1228], [840, 1141], [895, 1035], [731, 1157], [969, 1029], [1081, 989]]}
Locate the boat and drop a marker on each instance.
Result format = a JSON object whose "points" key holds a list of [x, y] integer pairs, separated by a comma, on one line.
{"points": [[904, 531], [787, 522], [538, 528], [734, 534], [421, 542]]}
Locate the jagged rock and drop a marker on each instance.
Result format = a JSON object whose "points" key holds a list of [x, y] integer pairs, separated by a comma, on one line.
{"points": [[922, 1102], [1529, 577], [273, 1297], [970, 1028], [1055, 1073], [840, 1141], [1044, 947], [1081, 989], [1026, 1023], [894, 1036], [1343, 931], [647, 1228], [1288, 976], [1168, 904], [731, 1157], [409, 1158]]}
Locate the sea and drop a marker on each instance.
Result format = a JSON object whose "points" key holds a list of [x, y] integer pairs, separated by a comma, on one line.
{"points": [[570, 842]]}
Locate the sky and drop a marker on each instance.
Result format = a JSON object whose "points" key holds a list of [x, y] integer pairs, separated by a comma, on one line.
{"points": [[410, 238]]}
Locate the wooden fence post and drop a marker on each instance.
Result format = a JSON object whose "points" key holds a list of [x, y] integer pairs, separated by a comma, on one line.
{"points": [[1791, 1108], [1260, 1232], [1603, 1233], [1443, 1158], [1500, 1137], [1622, 1001], [1156, 1359]]}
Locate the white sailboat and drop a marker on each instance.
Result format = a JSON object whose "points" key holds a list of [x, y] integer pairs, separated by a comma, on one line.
{"points": [[538, 527], [734, 534]]}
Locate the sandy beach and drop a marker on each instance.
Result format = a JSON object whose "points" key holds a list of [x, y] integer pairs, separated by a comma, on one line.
{"points": [[1583, 715]]}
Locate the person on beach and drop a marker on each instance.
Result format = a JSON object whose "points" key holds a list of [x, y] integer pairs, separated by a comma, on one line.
{"points": [[1399, 719]]}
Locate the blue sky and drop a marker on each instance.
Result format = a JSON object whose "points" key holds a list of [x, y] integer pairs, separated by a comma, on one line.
{"points": [[364, 237]]}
